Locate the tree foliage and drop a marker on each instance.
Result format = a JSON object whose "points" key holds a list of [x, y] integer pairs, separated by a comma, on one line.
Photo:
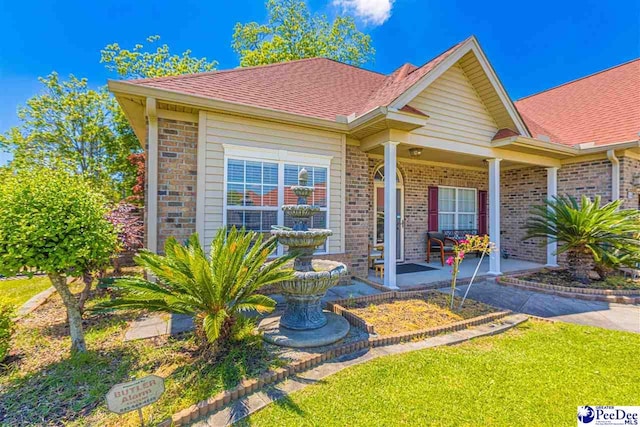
{"points": [[291, 32], [138, 63], [588, 232], [216, 289], [68, 125], [53, 221]]}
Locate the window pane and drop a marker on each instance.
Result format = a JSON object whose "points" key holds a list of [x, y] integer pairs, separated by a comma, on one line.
{"points": [[235, 218], [254, 172], [235, 194], [269, 195], [446, 199], [446, 222], [467, 222], [289, 197], [466, 201], [320, 177], [253, 220], [270, 173], [290, 175], [269, 219], [253, 195], [319, 220], [235, 171]]}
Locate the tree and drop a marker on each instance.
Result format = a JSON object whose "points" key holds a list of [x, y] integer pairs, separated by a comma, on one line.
{"points": [[215, 289], [137, 63], [293, 33], [53, 221], [127, 221], [68, 125], [590, 234]]}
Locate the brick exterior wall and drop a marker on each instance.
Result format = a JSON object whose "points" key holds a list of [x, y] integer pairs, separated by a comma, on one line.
{"points": [[357, 209], [177, 170], [589, 178], [628, 169], [519, 190]]}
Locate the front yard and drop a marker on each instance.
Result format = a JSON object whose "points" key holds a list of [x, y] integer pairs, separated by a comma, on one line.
{"points": [[18, 291], [536, 374]]}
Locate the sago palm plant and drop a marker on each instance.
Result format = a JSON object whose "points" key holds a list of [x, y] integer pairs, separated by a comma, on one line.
{"points": [[216, 290], [591, 234]]}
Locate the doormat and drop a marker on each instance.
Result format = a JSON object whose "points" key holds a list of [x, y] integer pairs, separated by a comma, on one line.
{"points": [[412, 268]]}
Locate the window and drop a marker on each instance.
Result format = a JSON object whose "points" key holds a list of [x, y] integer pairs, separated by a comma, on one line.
{"points": [[457, 208], [256, 189]]}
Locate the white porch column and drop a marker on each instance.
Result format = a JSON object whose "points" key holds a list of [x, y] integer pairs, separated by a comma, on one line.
{"points": [[494, 215], [390, 209], [552, 191], [152, 177]]}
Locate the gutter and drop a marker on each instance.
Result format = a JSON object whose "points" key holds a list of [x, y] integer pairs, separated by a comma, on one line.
{"points": [[615, 175]]}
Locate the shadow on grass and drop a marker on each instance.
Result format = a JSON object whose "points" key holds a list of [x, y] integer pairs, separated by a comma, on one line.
{"points": [[66, 390]]}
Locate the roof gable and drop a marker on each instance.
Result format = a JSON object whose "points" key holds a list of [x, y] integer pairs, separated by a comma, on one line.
{"points": [[602, 108]]}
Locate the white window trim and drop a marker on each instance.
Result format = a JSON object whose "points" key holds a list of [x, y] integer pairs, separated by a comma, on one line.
{"points": [[280, 157], [457, 212]]}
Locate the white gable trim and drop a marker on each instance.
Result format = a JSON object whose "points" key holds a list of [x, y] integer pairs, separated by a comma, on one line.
{"points": [[471, 45]]}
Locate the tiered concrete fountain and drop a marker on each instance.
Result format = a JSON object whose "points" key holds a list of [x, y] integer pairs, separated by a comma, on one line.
{"points": [[303, 323]]}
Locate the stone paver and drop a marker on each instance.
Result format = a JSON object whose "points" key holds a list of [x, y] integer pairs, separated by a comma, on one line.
{"points": [[35, 302], [155, 325], [256, 401], [593, 313]]}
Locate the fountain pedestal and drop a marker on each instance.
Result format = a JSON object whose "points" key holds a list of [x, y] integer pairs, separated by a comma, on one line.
{"points": [[304, 323]]}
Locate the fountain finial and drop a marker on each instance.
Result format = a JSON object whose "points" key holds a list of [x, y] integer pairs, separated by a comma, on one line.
{"points": [[303, 176]]}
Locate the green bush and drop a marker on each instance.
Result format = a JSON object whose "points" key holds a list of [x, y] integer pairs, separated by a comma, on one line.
{"points": [[54, 222], [7, 327], [217, 290]]}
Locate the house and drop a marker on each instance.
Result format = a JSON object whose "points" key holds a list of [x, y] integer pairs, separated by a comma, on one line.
{"points": [[435, 147]]}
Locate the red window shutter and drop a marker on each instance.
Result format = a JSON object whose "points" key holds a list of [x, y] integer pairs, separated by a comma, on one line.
{"points": [[433, 209], [482, 212]]}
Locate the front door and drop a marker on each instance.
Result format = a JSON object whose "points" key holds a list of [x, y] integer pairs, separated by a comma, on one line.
{"points": [[379, 219]]}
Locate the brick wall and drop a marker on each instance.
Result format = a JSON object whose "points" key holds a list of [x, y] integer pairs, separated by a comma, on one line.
{"points": [[357, 209], [628, 169], [589, 178], [177, 170], [519, 190]]}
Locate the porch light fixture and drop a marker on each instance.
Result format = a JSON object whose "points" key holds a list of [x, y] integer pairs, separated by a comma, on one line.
{"points": [[415, 151]]}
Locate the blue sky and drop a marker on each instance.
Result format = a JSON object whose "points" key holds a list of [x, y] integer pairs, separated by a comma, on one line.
{"points": [[532, 45]]}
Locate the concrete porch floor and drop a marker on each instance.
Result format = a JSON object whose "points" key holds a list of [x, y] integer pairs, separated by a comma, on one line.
{"points": [[468, 266]]}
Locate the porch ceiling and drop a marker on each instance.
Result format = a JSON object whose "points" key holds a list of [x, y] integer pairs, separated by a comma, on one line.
{"points": [[431, 155]]}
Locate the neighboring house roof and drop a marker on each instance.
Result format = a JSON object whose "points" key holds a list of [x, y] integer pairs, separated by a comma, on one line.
{"points": [[602, 108], [316, 87]]}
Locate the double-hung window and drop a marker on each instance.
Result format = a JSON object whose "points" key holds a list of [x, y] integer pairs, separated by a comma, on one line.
{"points": [[457, 208], [255, 190]]}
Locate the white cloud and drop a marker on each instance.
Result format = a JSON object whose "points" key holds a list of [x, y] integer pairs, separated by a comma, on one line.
{"points": [[374, 12]]}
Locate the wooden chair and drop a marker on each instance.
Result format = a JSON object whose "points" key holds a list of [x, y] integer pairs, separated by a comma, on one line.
{"points": [[376, 254], [439, 243]]}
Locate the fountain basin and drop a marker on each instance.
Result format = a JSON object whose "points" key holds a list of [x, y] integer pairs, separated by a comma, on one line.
{"points": [[313, 237], [301, 211]]}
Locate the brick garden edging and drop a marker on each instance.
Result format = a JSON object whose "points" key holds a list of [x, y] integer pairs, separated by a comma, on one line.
{"points": [[606, 295], [248, 386], [337, 307]]}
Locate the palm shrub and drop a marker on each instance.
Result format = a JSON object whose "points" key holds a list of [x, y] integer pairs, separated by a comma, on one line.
{"points": [[217, 290], [593, 236]]}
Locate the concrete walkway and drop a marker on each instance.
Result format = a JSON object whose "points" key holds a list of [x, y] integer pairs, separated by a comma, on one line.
{"points": [[620, 317]]}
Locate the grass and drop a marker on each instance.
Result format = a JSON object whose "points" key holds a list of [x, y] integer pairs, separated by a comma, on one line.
{"points": [[403, 315], [563, 278], [536, 374], [43, 385], [18, 291]]}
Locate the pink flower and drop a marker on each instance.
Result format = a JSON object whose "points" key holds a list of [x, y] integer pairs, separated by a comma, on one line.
{"points": [[449, 261], [464, 242], [461, 255]]}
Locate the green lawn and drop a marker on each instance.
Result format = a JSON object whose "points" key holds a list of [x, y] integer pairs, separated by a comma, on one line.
{"points": [[536, 374], [18, 291]]}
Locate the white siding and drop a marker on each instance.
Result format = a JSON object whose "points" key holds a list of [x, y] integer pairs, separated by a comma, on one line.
{"points": [[455, 111], [225, 129]]}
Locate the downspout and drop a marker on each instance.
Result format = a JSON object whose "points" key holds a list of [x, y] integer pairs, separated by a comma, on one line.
{"points": [[615, 175]]}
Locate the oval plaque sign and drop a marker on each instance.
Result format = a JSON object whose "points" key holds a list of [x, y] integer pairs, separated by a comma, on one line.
{"points": [[127, 397]]}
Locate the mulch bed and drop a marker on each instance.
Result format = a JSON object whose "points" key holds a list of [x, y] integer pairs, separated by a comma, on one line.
{"points": [[564, 278], [423, 311]]}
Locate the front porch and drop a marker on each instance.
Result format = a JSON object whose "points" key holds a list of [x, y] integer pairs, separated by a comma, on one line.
{"points": [[443, 274]]}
